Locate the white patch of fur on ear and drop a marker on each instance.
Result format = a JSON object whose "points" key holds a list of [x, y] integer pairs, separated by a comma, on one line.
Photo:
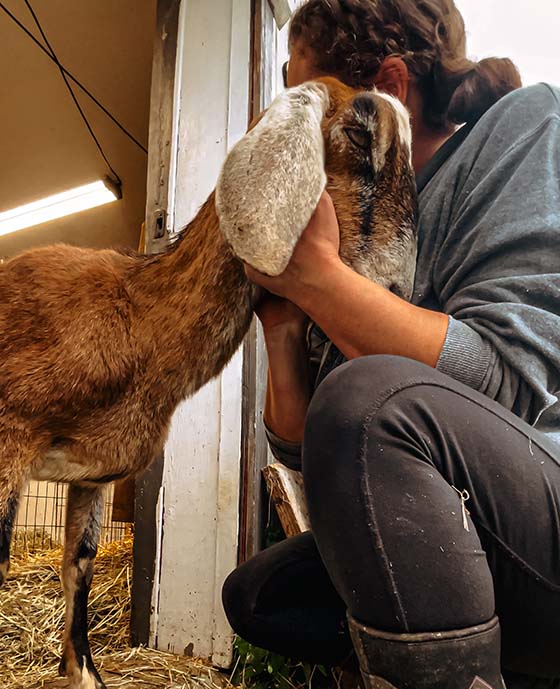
{"points": [[403, 120], [272, 179]]}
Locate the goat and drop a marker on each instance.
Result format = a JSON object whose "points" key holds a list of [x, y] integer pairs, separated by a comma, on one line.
{"points": [[97, 347]]}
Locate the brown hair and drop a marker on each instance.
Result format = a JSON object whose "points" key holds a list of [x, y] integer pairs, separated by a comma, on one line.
{"points": [[350, 39]]}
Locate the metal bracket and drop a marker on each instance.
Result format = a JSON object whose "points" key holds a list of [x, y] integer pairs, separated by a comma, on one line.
{"points": [[159, 220]]}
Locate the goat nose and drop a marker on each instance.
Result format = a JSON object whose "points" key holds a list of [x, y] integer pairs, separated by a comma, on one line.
{"points": [[365, 105]]}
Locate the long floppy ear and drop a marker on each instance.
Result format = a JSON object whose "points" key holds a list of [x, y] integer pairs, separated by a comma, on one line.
{"points": [[272, 179]]}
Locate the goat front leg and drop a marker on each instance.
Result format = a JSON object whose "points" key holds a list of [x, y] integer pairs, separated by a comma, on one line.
{"points": [[83, 525], [19, 447]]}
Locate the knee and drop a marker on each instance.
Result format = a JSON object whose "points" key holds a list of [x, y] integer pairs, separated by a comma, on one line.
{"points": [[349, 398], [238, 601], [375, 375], [365, 382]]}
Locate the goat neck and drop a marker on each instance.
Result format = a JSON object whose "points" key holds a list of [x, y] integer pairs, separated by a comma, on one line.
{"points": [[197, 304]]}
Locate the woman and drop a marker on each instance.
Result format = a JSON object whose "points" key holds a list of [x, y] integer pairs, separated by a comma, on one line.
{"points": [[431, 458]]}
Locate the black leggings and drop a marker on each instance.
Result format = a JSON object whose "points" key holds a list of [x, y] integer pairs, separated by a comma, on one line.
{"points": [[389, 446]]}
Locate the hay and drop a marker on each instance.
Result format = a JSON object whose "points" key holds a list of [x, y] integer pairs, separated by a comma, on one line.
{"points": [[32, 620], [28, 541], [141, 668]]}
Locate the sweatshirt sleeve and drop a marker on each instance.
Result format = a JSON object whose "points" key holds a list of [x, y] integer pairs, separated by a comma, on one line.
{"points": [[285, 452], [496, 272]]}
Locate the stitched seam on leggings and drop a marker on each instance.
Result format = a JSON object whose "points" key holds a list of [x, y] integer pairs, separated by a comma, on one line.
{"points": [[367, 502], [378, 541], [366, 493], [519, 562], [411, 384]]}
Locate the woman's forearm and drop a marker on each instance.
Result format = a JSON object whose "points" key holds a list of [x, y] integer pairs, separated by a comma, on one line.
{"points": [[362, 318], [288, 386]]}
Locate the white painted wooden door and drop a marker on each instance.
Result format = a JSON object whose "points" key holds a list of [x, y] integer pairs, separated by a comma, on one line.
{"points": [[200, 491], [199, 498]]}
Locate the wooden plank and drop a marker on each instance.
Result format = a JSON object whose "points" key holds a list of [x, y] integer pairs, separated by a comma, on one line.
{"points": [[231, 413], [148, 484], [122, 509], [285, 487], [254, 447], [146, 540], [254, 452], [202, 455]]}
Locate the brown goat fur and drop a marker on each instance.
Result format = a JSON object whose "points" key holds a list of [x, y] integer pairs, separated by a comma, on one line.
{"points": [[97, 348]]}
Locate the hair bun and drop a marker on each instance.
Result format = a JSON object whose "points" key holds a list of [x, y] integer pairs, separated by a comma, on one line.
{"points": [[482, 86]]}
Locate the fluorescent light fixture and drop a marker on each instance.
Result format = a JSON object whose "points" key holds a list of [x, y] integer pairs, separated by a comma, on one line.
{"points": [[57, 206]]}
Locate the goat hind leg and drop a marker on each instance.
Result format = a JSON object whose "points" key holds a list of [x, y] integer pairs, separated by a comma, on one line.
{"points": [[83, 525], [7, 517]]}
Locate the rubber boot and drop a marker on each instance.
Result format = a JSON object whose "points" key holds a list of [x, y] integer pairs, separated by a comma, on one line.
{"points": [[463, 659]]}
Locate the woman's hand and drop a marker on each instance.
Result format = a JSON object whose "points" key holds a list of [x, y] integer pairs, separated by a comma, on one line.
{"points": [[316, 250], [277, 313]]}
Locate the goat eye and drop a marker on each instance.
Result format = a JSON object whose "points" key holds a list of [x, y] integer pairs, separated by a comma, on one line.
{"points": [[359, 137]]}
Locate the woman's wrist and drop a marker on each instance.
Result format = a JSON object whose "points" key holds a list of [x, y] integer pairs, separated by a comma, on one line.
{"points": [[310, 292], [288, 388], [288, 334], [287, 361]]}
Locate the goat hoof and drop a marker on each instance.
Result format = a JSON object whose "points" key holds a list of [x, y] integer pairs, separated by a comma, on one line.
{"points": [[85, 677], [4, 569], [62, 668]]}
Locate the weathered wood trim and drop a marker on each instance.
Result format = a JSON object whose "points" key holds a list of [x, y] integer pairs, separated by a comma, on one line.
{"points": [[148, 485], [252, 496], [254, 449], [268, 51], [160, 142], [256, 58], [146, 546], [285, 488], [231, 427]]}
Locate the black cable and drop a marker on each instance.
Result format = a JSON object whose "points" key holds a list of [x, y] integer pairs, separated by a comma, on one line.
{"points": [[73, 95], [73, 78]]}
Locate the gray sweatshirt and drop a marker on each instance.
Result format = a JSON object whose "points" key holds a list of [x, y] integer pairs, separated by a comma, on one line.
{"points": [[489, 256]]}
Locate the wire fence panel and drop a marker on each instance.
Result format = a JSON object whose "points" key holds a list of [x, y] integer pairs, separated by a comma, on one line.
{"points": [[41, 518]]}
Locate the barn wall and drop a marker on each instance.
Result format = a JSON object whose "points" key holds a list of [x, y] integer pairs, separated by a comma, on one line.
{"points": [[44, 144]]}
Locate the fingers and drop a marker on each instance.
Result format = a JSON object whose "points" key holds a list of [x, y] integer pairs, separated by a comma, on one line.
{"points": [[252, 274], [259, 278], [325, 205], [324, 213]]}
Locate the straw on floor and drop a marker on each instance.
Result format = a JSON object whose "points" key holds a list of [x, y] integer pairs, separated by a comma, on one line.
{"points": [[32, 618]]}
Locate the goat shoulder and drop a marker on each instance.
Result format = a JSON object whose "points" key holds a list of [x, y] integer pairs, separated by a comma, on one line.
{"points": [[65, 327]]}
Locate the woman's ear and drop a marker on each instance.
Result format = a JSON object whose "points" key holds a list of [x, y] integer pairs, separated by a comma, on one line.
{"points": [[272, 179], [393, 78]]}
